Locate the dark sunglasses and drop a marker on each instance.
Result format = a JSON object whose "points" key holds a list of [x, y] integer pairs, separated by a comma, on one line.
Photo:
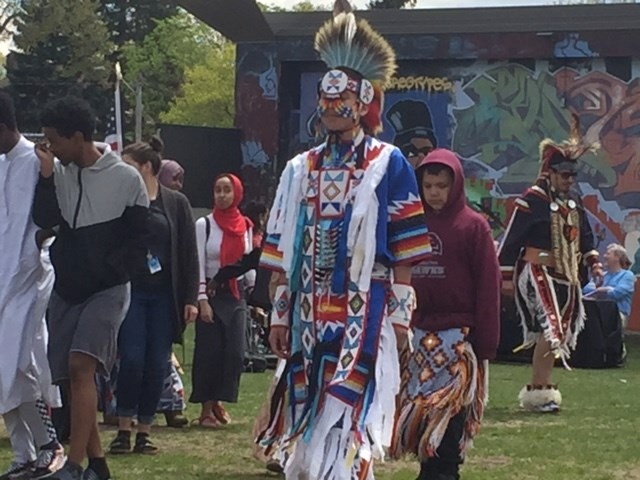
{"points": [[567, 175], [412, 151]]}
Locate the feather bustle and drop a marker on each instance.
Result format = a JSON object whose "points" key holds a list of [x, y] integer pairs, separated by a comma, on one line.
{"points": [[351, 43]]}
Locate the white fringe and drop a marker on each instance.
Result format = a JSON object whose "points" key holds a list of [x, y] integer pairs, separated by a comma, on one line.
{"points": [[331, 451], [361, 237]]}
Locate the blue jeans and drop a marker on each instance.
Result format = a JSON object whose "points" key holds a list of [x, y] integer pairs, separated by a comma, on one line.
{"points": [[144, 345]]}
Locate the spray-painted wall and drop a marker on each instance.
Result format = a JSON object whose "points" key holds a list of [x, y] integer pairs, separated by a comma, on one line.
{"points": [[493, 113]]}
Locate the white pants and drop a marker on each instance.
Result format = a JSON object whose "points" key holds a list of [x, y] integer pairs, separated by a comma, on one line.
{"points": [[30, 428]]}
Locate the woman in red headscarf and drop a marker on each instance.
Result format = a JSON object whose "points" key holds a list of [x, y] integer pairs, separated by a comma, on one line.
{"points": [[224, 237]]}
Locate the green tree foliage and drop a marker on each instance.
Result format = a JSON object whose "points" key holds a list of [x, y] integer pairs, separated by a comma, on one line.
{"points": [[391, 3], [207, 98], [308, 6], [159, 62], [59, 53], [9, 11], [303, 6], [132, 20]]}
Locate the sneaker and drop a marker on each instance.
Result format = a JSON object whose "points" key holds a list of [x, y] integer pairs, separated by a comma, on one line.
{"points": [[70, 471], [144, 445], [120, 445], [48, 462], [16, 469]]}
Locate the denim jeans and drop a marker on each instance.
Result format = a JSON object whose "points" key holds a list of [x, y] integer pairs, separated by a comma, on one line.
{"points": [[144, 345]]}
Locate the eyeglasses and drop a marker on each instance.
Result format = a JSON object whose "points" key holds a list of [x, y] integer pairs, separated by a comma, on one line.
{"points": [[566, 174], [413, 151]]}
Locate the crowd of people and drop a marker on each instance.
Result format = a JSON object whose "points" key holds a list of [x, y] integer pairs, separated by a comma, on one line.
{"points": [[385, 288]]}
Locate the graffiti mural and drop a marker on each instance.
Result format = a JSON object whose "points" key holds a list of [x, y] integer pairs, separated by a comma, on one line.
{"points": [[494, 115], [257, 117], [512, 107]]}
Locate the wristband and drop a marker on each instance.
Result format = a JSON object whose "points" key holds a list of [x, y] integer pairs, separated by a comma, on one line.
{"points": [[400, 304], [281, 307]]}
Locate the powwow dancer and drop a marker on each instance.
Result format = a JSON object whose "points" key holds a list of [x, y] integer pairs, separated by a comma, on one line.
{"points": [[456, 326], [346, 227], [547, 244]]}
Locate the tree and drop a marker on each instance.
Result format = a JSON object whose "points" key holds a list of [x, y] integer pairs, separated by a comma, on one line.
{"points": [[303, 6], [207, 99], [375, 4], [57, 54], [9, 11], [132, 20], [176, 44], [307, 6]]}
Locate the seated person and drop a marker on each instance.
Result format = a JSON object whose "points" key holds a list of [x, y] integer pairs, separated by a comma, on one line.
{"points": [[618, 282]]}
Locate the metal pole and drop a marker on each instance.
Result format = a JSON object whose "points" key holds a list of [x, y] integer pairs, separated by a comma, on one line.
{"points": [[118, 109], [139, 111]]}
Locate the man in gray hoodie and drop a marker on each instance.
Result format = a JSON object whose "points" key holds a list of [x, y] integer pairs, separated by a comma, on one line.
{"points": [[99, 205]]}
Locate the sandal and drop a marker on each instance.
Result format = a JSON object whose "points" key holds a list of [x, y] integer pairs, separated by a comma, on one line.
{"points": [[144, 445], [221, 414], [121, 445], [205, 422]]}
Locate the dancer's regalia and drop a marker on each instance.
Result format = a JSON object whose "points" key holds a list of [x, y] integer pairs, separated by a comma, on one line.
{"points": [[547, 250], [345, 214]]}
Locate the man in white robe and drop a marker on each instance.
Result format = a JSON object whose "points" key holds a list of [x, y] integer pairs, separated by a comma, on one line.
{"points": [[26, 393]]}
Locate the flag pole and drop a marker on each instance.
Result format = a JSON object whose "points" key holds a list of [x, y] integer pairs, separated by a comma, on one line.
{"points": [[118, 109]]}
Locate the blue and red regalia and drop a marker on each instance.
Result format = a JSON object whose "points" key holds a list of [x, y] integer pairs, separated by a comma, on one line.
{"points": [[346, 215]]}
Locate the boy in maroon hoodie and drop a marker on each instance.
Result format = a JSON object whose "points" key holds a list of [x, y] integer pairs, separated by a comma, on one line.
{"points": [[456, 325]]}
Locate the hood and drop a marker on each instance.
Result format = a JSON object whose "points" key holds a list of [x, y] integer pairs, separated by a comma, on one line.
{"points": [[457, 199], [108, 158]]}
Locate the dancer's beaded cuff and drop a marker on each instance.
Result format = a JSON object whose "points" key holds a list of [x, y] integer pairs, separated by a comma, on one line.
{"points": [[401, 304], [281, 307]]}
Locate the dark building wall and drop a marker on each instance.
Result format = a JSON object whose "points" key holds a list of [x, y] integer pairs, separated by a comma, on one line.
{"points": [[491, 98]]}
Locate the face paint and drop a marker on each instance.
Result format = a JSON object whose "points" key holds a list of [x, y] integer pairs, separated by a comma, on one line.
{"points": [[334, 105]]}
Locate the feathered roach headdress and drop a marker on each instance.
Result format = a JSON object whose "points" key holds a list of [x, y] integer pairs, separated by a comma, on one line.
{"points": [[360, 59], [564, 156]]}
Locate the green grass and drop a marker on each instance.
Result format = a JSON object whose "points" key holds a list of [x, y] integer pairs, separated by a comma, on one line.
{"points": [[595, 437]]}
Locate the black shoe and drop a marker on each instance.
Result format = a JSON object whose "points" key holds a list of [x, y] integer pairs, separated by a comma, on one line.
{"points": [[274, 466], [144, 445], [175, 419], [90, 474], [70, 471], [16, 469], [121, 444]]}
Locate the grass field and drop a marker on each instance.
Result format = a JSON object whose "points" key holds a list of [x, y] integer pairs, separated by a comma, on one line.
{"points": [[595, 437]]}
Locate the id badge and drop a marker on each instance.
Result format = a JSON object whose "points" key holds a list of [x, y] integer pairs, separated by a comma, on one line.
{"points": [[154, 264]]}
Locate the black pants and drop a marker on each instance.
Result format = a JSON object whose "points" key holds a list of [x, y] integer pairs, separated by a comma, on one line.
{"points": [[449, 458], [218, 359]]}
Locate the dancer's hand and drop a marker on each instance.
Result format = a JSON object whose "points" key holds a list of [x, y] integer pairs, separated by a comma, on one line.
{"points": [[402, 337], [279, 341], [206, 312]]}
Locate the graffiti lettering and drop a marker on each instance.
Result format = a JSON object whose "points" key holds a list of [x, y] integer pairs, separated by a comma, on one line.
{"points": [[426, 84]]}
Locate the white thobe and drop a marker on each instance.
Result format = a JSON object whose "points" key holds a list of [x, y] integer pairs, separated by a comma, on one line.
{"points": [[25, 285]]}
